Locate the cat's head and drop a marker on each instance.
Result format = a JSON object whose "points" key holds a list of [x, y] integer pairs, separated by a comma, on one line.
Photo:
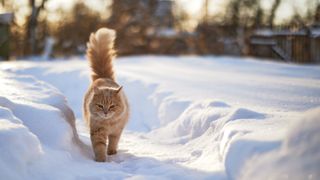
{"points": [[106, 102]]}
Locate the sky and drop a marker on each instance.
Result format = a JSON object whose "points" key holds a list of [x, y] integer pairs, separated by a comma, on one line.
{"points": [[286, 9], [193, 7]]}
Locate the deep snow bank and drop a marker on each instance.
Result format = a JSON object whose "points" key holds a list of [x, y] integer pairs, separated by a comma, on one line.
{"points": [[33, 117], [39, 106], [191, 117], [297, 158], [19, 147]]}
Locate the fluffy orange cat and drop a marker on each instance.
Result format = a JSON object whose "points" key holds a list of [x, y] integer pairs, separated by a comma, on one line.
{"points": [[105, 108]]}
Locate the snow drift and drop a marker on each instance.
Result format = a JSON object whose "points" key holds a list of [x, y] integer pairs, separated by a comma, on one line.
{"points": [[297, 158], [34, 117], [191, 118]]}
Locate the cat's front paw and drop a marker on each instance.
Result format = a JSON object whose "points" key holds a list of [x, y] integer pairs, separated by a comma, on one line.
{"points": [[111, 151], [100, 159]]}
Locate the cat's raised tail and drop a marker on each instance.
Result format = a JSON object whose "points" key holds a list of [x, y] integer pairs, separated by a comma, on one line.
{"points": [[100, 53]]}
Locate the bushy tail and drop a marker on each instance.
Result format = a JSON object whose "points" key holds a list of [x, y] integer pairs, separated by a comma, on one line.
{"points": [[100, 53]]}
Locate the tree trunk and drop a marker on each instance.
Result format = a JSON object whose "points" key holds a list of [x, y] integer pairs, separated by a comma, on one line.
{"points": [[274, 8], [235, 8], [32, 22], [317, 14]]}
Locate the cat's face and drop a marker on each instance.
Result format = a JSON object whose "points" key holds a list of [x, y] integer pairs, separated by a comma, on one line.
{"points": [[105, 102]]}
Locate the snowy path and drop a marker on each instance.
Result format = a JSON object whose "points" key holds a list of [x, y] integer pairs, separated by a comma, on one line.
{"points": [[191, 118]]}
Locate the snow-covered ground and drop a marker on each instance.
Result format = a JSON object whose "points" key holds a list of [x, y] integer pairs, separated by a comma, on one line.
{"points": [[191, 118]]}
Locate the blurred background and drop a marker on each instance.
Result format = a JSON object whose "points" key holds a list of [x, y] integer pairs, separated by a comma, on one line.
{"points": [[283, 30]]}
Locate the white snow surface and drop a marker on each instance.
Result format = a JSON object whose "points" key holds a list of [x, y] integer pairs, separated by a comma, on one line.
{"points": [[191, 118]]}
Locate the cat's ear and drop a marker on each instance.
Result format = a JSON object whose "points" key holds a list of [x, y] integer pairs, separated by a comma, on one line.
{"points": [[119, 89], [96, 90]]}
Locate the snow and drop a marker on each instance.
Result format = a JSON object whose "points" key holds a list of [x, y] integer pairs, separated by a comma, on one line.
{"points": [[191, 118], [166, 32], [297, 158], [6, 17], [315, 32]]}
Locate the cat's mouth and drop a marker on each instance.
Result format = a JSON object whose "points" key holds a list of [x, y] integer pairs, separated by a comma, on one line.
{"points": [[106, 115]]}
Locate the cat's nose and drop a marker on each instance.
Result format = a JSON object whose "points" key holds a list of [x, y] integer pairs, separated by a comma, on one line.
{"points": [[105, 111]]}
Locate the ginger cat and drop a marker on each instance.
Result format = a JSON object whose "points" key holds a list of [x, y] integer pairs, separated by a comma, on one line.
{"points": [[105, 107]]}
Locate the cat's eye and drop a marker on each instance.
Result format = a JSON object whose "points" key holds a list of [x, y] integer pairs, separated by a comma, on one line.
{"points": [[100, 106], [112, 106]]}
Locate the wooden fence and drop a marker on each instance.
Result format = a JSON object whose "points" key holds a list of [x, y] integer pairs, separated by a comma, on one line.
{"points": [[299, 47]]}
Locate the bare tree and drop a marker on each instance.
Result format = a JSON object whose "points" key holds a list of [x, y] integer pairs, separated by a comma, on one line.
{"points": [[32, 23], [273, 11], [206, 11], [317, 14], [139, 21], [244, 13], [258, 21], [235, 12], [71, 32]]}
